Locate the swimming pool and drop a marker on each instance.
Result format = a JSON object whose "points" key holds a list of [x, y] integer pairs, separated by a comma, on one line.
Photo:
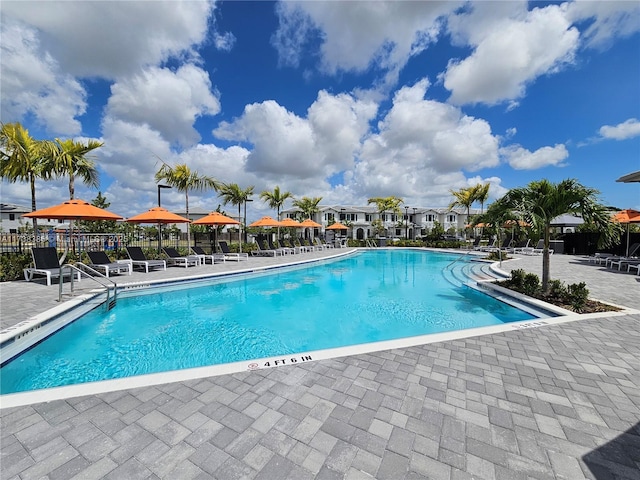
{"points": [[369, 297]]}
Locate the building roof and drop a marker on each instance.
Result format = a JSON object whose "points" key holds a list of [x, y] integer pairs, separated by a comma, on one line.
{"points": [[13, 208]]}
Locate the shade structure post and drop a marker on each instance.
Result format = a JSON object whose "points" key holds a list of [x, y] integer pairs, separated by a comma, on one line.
{"points": [[160, 223]]}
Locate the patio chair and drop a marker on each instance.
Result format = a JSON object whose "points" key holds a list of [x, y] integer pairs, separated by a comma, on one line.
{"points": [[323, 243], [537, 250], [229, 255], [204, 256], [476, 243], [100, 261], [45, 261], [488, 247], [506, 243], [634, 266], [296, 247], [138, 258], [284, 250], [174, 258], [519, 246], [307, 243], [263, 250]]}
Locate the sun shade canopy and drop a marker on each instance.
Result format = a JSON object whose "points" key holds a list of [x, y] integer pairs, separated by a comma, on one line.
{"points": [[266, 222], [216, 218], [337, 226], [73, 210], [158, 215]]}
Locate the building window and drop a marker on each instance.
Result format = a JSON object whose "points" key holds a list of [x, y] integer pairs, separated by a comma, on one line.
{"points": [[368, 217], [328, 216], [451, 218], [12, 216], [384, 217]]}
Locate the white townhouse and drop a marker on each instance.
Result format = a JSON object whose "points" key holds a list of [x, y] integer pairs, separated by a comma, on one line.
{"points": [[10, 221], [410, 223]]}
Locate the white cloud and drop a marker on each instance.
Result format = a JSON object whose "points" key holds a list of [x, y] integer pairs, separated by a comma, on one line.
{"points": [[628, 129], [508, 54], [33, 84], [522, 159], [168, 101], [80, 35], [357, 35], [606, 20]]}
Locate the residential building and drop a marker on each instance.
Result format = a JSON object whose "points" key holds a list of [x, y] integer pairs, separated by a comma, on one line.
{"points": [[411, 222]]}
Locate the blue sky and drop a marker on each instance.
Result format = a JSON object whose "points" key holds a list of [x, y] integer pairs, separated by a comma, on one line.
{"points": [[340, 100]]}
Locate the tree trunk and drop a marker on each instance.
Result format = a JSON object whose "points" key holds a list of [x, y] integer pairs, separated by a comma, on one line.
{"points": [[186, 207], [546, 259], [239, 229], [32, 181]]}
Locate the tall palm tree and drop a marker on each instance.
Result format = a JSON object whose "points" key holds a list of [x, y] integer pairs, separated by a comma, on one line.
{"points": [[71, 159], [233, 194], [184, 179], [464, 198], [541, 201], [24, 159], [386, 204], [308, 205], [275, 199], [481, 194]]}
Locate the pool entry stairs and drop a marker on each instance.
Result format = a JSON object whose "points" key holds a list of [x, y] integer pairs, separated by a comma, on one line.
{"points": [[468, 271]]}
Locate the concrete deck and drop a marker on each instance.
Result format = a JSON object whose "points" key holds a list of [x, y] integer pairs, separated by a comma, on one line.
{"points": [[552, 402]]}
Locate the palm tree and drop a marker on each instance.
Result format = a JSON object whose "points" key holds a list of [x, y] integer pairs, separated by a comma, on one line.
{"points": [[71, 159], [184, 179], [386, 204], [481, 194], [23, 158], [233, 194], [308, 206], [275, 199], [464, 198], [541, 201]]}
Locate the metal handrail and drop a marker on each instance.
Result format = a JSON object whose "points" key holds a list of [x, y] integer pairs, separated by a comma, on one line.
{"points": [[459, 258], [97, 278]]}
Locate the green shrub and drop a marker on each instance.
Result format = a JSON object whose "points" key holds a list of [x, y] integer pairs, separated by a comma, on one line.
{"points": [[531, 285], [557, 290], [578, 295], [517, 279], [12, 266]]}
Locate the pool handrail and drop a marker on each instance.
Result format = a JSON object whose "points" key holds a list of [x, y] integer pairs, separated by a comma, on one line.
{"points": [[109, 302]]}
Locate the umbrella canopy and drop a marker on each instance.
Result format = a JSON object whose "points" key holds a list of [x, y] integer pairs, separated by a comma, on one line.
{"points": [[266, 222], [623, 216], [337, 226], [309, 223], [290, 222], [216, 218], [157, 215], [627, 216], [73, 210]]}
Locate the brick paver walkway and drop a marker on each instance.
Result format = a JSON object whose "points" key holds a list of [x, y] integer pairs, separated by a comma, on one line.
{"points": [[552, 402]]}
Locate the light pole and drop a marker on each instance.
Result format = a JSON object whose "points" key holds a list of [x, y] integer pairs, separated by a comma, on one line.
{"points": [[245, 218], [406, 222], [160, 224], [414, 222]]}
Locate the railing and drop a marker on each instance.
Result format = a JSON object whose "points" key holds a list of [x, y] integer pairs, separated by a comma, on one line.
{"points": [[110, 302], [371, 243], [459, 258]]}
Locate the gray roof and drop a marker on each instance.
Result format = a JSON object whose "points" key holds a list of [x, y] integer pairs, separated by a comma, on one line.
{"points": [[13, 208]]}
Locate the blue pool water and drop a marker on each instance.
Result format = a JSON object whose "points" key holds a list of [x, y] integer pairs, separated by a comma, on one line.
{"points": [[368, 297]]}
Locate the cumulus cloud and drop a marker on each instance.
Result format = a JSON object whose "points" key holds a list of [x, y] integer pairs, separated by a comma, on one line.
{"points": [[357, 35], [605, 20], [522, 159], [33, 84], [148, 33], [509, 52], [286, 145], [422, 148], [628, 129], [168, 101]]}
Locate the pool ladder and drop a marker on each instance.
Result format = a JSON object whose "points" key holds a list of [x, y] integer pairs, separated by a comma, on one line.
{"points": [[110, 301]]}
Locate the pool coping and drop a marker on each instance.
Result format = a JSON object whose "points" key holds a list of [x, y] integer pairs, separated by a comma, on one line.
{"points": [[92, 388]]}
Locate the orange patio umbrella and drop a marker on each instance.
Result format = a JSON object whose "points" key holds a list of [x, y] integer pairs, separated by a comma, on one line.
{"points": [[337, 226], [75, 209], [157, 215], [627, 216], [291, 223], [266, 222], [308, 223], [216, 218]]}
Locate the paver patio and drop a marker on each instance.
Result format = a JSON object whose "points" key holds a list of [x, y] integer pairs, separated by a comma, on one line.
{"points": [[551, 402]]}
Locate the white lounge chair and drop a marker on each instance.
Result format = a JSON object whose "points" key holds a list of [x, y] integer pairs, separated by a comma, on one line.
{"points": [[45, 261], [137, 257], [229, 255], [204, 256], [101, 261]]}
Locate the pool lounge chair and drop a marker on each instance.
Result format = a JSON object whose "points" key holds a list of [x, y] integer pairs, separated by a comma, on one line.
{"points": [[229, 255], [519, 246], [284, 250], [634, 266], [476, 243], [138, 258], [506, 243], [204, 256], [320, 242], [537, 250], [45, 261], [616, 260], [489, 247], [101, 261], [263, 250], [297, 247], [307, 243], [174, 258]]}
